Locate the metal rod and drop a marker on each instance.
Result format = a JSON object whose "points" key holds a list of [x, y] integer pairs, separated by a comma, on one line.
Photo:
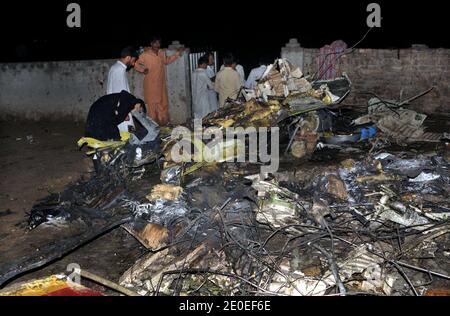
{"points": [[292, 139], [423, 270], [107, 283], [333, 268], [415, 97]]}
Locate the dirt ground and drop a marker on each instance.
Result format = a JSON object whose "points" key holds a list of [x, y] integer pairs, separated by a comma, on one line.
{"points": [[39, 158]]}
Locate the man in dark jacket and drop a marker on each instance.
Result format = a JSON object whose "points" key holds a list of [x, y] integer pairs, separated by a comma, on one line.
{"points": [[108, 112]]}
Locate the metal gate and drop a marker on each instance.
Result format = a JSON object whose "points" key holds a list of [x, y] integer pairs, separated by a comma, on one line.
{"points": [[193, 61]]}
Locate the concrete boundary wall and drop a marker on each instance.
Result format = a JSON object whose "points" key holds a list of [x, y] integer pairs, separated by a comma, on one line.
{"points": [[65, 90], [51, 90]]}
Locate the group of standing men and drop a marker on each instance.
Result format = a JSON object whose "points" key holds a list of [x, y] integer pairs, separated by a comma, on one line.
{"points": [[209, 90], [227, 84], [151, 63]]}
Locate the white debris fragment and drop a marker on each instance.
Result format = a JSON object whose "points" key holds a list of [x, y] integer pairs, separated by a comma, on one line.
{"points": [[407, 219], [382, 156], [425, 177]]}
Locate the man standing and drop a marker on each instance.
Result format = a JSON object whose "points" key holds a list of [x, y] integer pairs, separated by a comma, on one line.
{"points": [[240, 70], [255, 75], [152, 64], [201, 85], [210, 71], [117, 76], [228, 81], [118, 81]]}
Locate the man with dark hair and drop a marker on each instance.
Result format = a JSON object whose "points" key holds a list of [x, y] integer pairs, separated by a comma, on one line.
{"points": [[211, 65], [236, 66], [118, 80], [201, 84], [255, 75], [117, 76], [228, 81], [152, 64], [211, 72]]}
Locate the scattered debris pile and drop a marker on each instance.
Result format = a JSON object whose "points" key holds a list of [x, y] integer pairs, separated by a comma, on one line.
{"points": [[397, 123], [353, 230], [347, 213]]}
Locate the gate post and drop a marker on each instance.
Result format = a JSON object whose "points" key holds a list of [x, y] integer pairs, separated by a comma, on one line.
{"points": [[293, 52], [178, 86]]}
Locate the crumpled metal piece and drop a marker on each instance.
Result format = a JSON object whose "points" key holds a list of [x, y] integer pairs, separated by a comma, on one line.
{"points": [[158, 212], [151, 126], [172, 175], [402, 125], [278, 206], [98, 144]]}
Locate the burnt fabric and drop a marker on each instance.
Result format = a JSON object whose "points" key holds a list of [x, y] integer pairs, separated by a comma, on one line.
{"points": [[108, 112], [328, 63]]}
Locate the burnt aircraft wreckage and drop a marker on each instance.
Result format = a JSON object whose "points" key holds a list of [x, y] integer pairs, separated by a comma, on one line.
{"points": [[338, 196]]}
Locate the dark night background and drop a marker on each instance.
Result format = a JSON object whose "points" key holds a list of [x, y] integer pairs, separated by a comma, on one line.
{"points": [[32, 31]]}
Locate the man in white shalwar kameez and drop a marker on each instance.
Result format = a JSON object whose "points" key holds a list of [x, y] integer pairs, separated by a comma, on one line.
{"points": [[118, 80], [201, 85], [210, 71], [255, 75]]}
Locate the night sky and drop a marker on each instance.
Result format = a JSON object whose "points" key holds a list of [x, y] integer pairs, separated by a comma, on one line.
{"points": [[37, 30]]}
